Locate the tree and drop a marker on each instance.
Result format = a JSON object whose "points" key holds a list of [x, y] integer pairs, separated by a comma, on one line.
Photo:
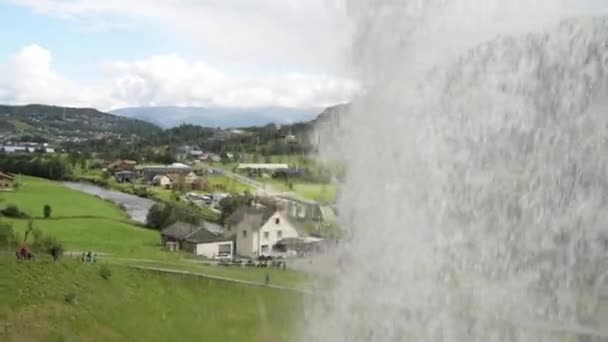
{"points": [[161, 216], [157, 216], [47, 211], [230, 204]]}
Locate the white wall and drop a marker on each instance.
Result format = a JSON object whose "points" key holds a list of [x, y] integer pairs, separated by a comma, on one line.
{"points": [[251, 245], [272, 228], [211, 250], [246, 246]]}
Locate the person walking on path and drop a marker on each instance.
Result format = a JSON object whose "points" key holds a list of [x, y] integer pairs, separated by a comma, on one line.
{"points": [[267, 281]]}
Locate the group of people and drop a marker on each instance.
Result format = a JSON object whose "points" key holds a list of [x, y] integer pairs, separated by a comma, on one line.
{"points": [[89, 257], [24, 254]]}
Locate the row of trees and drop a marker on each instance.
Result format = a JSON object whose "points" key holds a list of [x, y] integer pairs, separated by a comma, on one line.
{"points": [[50, 167]]}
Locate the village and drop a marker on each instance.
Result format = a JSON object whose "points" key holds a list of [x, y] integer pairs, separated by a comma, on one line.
{"points": [[276, 225]]}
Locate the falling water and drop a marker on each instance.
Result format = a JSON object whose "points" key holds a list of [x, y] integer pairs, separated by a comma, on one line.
{"points": [[477, 184]]}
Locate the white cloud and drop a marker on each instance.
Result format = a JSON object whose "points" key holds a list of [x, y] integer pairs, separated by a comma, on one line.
{"points": [[30, 78], [306, 35], [163, 80], [279, 47]]}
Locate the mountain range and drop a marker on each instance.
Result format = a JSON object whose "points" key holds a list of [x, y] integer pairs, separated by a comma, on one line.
{"points": [[171, 116]]}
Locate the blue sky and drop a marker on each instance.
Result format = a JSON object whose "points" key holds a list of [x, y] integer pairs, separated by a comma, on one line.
{"points": [[114, 53], [77, 48]]}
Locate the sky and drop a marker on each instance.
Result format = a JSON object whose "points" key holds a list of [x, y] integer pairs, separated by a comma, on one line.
{"points": [[118, 53]]}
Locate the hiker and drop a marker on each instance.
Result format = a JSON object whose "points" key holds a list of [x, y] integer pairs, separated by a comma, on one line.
{"points": [[267, 278], [82, 257], [23, 253], [55, 253], [30, 256], [94, 257], [17, 255], [89, 256], [284, 265]]}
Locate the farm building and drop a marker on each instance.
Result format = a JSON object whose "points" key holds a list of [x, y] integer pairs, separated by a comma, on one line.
{"points": [[197, 239], [7, 181]]}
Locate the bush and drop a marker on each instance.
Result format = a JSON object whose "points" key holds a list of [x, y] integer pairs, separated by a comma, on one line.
{"points": [[47, 211], [13, 211], [105, 272], [141, 192], [70, 297]]}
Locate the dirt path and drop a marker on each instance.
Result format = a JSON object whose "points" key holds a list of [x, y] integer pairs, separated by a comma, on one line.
{"points": [[214, 277]]}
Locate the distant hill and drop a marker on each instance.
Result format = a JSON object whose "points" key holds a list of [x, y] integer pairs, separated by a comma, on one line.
{"points": [[168, 117], [62, 123]]}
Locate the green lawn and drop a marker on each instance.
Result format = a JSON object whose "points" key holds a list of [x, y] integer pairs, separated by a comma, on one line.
{"points": [[280, 277], [311, 191], [34, 193], [136, 305], [230, 185]]}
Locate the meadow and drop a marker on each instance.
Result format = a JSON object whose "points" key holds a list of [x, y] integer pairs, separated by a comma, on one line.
{"points": [[85, 223], [70, 301]]}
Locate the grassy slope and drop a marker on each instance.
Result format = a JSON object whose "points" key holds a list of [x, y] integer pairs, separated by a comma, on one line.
{"points": [[136, 306], [34, 193], [286, 278], [110, 233], [81, 221]]}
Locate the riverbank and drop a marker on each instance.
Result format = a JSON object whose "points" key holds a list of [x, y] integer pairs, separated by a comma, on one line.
{"points": [[146, 192], [136, 207]]}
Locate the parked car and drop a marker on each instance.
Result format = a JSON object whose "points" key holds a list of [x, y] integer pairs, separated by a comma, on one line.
{"points": [[223, 257]]}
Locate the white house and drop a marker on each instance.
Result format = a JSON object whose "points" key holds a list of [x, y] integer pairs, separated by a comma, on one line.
{"points": [[162, 180], [258, 230], [200, 241]]}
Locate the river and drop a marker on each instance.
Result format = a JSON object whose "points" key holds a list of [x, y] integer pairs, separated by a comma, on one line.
{"points": [[136, 207]]}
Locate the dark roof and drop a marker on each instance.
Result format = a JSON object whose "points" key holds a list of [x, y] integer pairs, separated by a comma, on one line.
{"points": [[191, 233], [259, 216]]}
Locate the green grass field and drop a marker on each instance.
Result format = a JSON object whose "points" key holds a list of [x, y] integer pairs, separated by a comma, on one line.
{"points": [[136, 305], [311, 191], [84, 222], [230, 185], [34, 193], [287, 278]]}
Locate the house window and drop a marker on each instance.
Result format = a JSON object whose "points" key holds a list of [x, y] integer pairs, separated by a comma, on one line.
{"points": [[277, 220], [266, 235], [279, 234], [244, 233], [225, 248]]}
